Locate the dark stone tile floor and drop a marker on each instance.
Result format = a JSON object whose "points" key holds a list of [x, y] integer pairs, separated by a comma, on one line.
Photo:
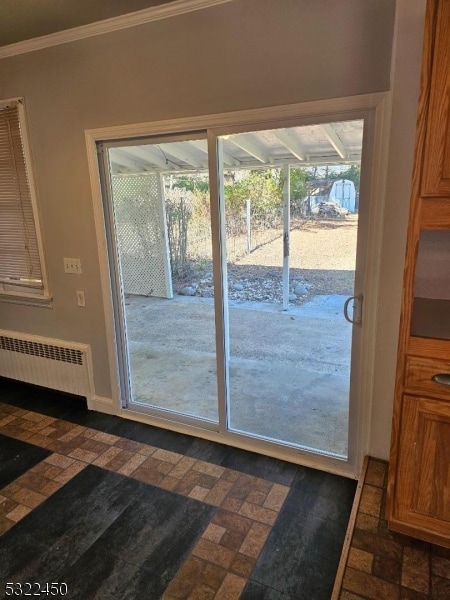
{"points": [[17, 457], [304, 547], [110, 536], [106, 536]]}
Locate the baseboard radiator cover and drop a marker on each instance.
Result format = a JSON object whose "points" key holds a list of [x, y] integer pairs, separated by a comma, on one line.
{"points": [[47, 362]]}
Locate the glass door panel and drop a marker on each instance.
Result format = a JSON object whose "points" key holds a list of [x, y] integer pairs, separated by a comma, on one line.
{"points": [[161, 215], [291, 232]]}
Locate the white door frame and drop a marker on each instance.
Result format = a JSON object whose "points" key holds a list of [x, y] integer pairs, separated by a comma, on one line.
{"points": [[375, 109]]}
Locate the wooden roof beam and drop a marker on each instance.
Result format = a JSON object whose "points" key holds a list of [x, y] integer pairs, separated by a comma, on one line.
{"points": [[202, 145], [250, 146], [180, 150], [119, 157], [148, 155], [291, 143], [335, 140]]}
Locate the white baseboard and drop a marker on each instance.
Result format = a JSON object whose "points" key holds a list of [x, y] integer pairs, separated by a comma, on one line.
{"points": [[102, 404]]}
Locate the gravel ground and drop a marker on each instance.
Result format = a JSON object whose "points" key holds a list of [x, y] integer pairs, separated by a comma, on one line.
{"points": [[322, 261]]}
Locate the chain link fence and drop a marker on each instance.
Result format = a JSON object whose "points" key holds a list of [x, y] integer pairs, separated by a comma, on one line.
{"points": [[190, 232]]}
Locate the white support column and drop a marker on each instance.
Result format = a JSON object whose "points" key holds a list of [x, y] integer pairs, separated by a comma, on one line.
{"points": [[249, 225], [286, 229], [165, 236]]}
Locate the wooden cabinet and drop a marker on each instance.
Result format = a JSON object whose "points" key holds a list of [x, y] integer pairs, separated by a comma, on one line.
{"points": [[436, 174], [423, 475], [419, 470], [427, 376]]}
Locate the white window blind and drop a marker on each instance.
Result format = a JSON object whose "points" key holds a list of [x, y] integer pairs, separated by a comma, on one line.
{"points": [[20, 263]]}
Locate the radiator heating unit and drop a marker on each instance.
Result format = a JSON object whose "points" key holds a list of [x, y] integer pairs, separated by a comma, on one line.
{"points": [[46, 362]]}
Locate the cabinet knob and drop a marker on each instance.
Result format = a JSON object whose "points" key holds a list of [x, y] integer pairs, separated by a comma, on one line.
{"points": [[442, 378]]}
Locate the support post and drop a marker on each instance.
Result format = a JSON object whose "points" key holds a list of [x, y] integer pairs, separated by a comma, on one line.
{"points": [[249, 226], [286, 228], [165, 235]]}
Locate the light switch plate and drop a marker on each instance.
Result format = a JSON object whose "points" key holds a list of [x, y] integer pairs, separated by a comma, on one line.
{"points": [[81, 301], [72, 265]]}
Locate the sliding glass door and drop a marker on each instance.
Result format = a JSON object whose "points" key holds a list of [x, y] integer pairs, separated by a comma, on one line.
{"points": [[237, 279]]}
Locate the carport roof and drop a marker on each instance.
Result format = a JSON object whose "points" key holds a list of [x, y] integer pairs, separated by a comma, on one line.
{"points": [[308, 145]]}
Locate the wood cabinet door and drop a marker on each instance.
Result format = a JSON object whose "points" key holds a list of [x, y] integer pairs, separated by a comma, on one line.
{"points": [[436, 172], [422, 498]]}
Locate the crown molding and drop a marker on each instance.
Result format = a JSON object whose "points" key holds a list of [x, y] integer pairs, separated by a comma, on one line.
{"points": [[153, 13]]}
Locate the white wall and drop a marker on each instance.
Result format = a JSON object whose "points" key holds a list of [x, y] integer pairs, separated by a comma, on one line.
{"points": [[240, 55], [405, 89]]}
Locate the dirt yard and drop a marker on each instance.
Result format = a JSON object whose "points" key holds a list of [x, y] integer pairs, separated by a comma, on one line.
{"points": [[322, 261]]}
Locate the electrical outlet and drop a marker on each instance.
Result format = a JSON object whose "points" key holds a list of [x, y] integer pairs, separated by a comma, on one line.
{"points": [[80, 298], [72, 265]]}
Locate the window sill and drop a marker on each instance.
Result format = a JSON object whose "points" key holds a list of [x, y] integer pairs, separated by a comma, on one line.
{"points": [[40, 301]]}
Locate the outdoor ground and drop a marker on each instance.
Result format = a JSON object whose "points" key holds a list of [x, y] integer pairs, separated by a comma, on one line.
{"points": [[289, 370], [322, 256]]}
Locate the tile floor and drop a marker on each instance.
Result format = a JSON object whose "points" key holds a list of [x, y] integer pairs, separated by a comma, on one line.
{"points": [[118, 509], [383, 565]]}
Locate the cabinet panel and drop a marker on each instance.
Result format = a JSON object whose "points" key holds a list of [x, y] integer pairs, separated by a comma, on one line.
{"points": [[419, 375], [423, 472], [436, 172]]}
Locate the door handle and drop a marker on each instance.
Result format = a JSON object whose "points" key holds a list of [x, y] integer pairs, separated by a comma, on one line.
{"points": [[357, 309]]}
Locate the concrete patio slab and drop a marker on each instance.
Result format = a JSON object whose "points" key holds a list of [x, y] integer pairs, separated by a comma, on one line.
{"points": [[289, 370]]}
